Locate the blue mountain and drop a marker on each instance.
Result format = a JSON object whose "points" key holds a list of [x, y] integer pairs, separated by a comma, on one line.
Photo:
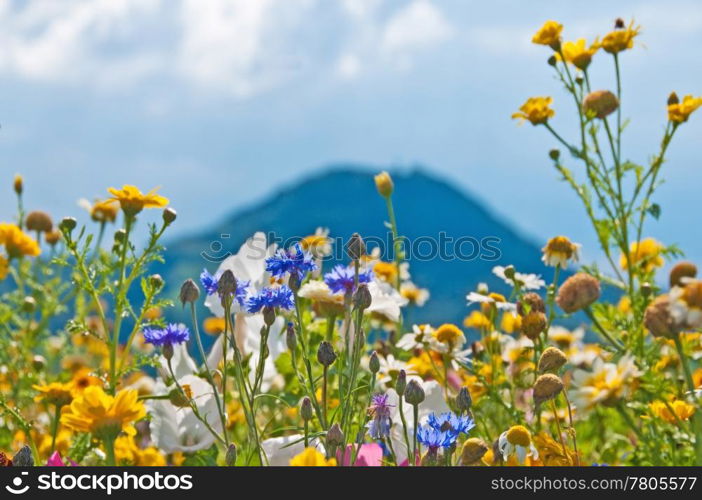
{"points": [[452, 241]]}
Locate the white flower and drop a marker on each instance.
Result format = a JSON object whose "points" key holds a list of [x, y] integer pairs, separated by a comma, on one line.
{"points": [[385, 300], [319, 291], [420, 335], [280, 451], [479, 298], [178, 429], [248, 264], [517, 440], [607, 383], [526, 281], [390, 368], [247, 332]]}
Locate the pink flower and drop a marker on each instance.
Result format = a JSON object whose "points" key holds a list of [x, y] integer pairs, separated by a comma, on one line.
{"points": [[55, 460], [370, 455]]}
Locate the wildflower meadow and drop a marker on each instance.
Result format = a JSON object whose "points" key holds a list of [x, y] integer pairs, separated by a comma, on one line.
{"points": [[302, 362]]}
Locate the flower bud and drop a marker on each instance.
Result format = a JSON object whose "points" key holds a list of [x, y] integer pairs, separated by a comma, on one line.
{"points": [[384, 184], [374, 362], [23, 458], [167, 351], [355, 247], [38, 363], [600, 104], [578, 292], [401, 383], [658, 320], [120, 235], [552, 359], [306, 409], [552, 60], [29, 304], [362, 298], [530, 302], [673, 99], [294, 282], [169, 216], [68, 224], [680, 272], [325, 353], [268, 315], [39, 221], [52, 237], [18, 184], [463, 400], [554, 154], [335, 436], [533, 324], [176, 396], [156, 281], [547, 387], [291, 337], [189, 292], [226, 285], [473, 450], [230, 457], [414, 393]]}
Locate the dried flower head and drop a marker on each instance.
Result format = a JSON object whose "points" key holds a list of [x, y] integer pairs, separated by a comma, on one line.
{"points": [[473, 450], [658, 318], [681, 273], [600, 104], [552, 359], [578, 292], [547, 387], [39, 221]]}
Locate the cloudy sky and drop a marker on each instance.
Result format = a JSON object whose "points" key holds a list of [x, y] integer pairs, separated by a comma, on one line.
{"points": [[221, 102]]}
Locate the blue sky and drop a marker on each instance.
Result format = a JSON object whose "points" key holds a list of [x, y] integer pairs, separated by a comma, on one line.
{"points": [[221, 102]]}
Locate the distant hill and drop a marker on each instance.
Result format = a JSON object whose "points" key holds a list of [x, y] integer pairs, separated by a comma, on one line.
{"points": [[344, 199]]}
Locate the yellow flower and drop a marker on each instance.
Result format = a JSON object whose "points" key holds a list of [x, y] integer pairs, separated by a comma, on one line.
{"points": [[449, 334], [318, 244], [82, 379], [213, 325], [384, 184], [549, 34], [17, 243], [425, 363], [578, 54], [477, 320], [126, 450], [621, 38], [310, 457], [511, 322], [4, 267], [103, 415], [386, 271], [559, 251], [133, 201], [679, 112], [536, 110], [18, 184], [415, 295], [646, 254], [683, 410], [551, 452], [606, 384], [55, 393]]}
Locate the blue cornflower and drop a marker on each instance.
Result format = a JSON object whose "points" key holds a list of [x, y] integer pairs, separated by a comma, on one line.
{"points": [[209, 283], [341, 278], [452, 423], [379, 426], [293, 261], [278, 297], [172, 334], [435, 439]]}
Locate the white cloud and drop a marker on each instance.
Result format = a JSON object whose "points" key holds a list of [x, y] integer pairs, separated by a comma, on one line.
{"points": [[240, 47], [419, 25]]}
